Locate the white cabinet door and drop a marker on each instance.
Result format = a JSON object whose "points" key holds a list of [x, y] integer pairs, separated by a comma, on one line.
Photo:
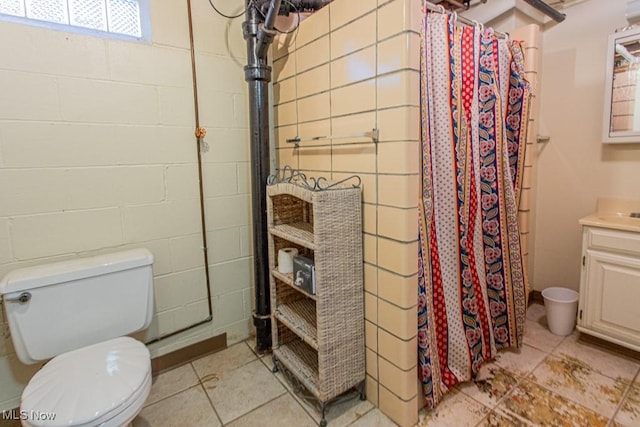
{"points": [[612, 300]]}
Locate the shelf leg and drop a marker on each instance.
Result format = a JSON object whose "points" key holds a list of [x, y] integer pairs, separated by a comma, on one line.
{"points": [[363, 394], [323, 407], [275, 364]]}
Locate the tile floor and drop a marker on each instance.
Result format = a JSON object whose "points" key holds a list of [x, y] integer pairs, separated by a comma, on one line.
{"points": [[551, 381]]}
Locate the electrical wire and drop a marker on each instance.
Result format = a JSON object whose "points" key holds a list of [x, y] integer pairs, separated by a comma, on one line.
{"points": [[297, 23], [230, 16]]}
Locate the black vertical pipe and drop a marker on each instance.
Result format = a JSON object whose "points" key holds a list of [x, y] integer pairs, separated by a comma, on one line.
{"points": [[259, 33], [258, 76]]}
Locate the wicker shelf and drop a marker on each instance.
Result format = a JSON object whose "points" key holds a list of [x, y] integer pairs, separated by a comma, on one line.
{"points": [[300, 233], [288, 279], [318, 338], [298, 358], [300, 317]]}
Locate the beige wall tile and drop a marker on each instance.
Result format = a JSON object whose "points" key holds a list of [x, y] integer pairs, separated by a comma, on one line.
{"points": [[283, 45], [371, 335], [370, 308], [399, 124], [404, 413], [399, 352], [354, 158], [399, 321], [313, 81], [315, 107], [369, 218], [398, 290], [60, 233], [398, 16], [399, 89], [399, 157], [286, 114], [314, 27], [353, 68], [399, 53], [314, 158], [282, 133], [368, 185], [319, 128], [312, 55], [398, 224], [284, 91], [401, 383], [398, 257], [353, 124], [371, 363], [357, 35], [370, 248], [284, 68], [343, 12], [372, 390], [355, 98], [371, 279], [398, 190]]}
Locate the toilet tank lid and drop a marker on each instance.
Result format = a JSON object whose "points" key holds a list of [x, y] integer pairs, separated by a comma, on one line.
{"points": [[59, 272]]}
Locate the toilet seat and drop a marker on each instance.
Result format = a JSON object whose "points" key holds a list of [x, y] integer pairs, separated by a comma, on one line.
{"points": [[102, 384]]}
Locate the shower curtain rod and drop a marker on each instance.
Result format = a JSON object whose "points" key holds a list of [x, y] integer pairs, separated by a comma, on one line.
{"points": [[440, 9]]}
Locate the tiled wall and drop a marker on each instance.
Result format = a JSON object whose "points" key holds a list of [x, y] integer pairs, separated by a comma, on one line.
{"points": [[97, 154], [532, 38], [352, 67]]}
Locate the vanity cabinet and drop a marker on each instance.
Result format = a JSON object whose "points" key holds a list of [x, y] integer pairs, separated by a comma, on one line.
{"points": [[609, 306]]}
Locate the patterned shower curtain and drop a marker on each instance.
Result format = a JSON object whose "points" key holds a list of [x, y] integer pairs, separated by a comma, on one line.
{"points": [[472, 284]]}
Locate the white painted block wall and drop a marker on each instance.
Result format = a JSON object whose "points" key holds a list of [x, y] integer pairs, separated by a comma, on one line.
{"points": [[97, 154]]}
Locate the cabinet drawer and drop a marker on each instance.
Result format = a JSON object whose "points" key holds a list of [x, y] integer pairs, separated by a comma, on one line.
{"points": [[620, 241]]}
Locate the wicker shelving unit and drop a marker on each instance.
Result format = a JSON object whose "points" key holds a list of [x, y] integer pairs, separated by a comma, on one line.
{"points": [[318, 339]]}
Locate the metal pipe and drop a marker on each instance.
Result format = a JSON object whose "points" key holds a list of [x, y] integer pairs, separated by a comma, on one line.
{"points": [[266, 32], [547, 10], [258, 75], [259, 33]]}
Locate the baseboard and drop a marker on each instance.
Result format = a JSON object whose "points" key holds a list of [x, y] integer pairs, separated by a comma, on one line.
{"points": [[185, 355], [535, 297]]}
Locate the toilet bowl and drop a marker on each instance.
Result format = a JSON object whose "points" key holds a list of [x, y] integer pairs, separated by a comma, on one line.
{"points": [[77, 314], [102, 384]]}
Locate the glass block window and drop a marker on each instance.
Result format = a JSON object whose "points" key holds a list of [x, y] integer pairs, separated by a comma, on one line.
{"points": [[120, 17]]}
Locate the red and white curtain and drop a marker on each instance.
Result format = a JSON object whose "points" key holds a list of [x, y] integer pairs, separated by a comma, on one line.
{"points": [[472, 284]]}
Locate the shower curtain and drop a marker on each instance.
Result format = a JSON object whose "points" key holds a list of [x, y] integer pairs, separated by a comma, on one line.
{"points": [[472, 284]]}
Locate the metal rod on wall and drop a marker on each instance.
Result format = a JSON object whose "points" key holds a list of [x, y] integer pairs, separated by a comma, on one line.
{"points": [[547, 10]]}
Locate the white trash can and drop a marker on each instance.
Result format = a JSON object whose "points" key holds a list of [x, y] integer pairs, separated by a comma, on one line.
{"points": [[561, 306]]}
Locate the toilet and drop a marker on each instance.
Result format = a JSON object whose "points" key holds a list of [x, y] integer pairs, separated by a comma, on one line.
{"points": [[78, 313]]}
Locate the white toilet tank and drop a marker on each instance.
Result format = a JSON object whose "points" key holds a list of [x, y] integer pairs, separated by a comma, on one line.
{"points": [[76, 303]]}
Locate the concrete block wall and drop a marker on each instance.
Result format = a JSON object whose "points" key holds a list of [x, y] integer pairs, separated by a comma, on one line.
{"points": [[98, 154], [352, 67]]}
